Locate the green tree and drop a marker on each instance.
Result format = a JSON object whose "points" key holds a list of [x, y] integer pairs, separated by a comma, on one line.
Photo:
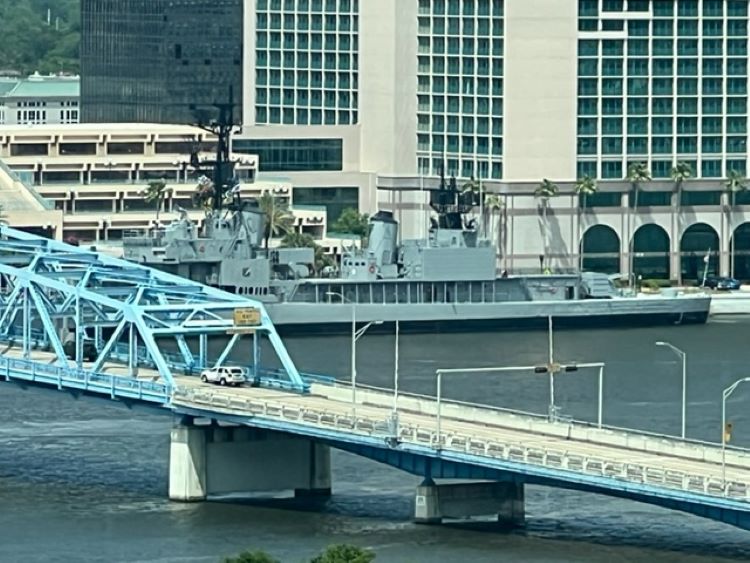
{"points": [[28, 43], [680, 173], [544, 192], [585, 187], [637, 174], [473, 187], [279, 220], [203, 196], [734, 184], [344, 554], [352, 222], [155, 192], [251, 557], [305, 240]]}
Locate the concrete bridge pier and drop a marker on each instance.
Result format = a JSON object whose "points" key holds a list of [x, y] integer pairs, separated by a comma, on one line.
{"points": [[211, 460], [435, 502]]}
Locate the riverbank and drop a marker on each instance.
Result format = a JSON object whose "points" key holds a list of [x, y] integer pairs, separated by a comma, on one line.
{"points": [[731, 302]]}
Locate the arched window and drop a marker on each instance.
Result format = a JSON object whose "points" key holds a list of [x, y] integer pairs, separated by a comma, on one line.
{"points": [[697, 242], [600, 247], [741, 247], [651, 249]]}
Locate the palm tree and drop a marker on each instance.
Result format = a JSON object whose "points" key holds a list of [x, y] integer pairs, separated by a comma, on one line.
{"points": [[294, 239], [680, 173], [735, 183], [203, 196], [585, 187], [544, 192], [471, 195], [155, 192], [637, 174], [279, 220], [492, 204]]}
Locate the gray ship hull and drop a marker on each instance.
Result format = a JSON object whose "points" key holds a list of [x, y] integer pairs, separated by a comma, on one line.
{"points": [[303, 318]]}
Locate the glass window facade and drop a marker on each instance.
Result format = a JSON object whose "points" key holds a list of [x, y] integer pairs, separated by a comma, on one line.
{"points": [[294, 155], [683, 66], [335, 200], [159, 60], [306, 62], [460, 87]]}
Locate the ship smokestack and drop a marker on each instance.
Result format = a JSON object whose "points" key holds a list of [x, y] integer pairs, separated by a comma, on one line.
{"points": [[383, 243]]}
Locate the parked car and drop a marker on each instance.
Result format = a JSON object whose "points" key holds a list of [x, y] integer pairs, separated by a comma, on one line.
{"points": [[722, 283], [225, 375]]}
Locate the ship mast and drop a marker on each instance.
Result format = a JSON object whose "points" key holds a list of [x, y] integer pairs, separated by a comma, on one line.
{"points": [[223, 167]]}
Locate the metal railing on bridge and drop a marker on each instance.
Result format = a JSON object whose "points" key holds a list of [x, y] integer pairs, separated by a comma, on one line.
{"points": [[83, 380], [466, 444]]}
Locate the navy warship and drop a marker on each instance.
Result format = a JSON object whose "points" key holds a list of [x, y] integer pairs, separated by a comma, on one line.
{"points": [[445, 282]]}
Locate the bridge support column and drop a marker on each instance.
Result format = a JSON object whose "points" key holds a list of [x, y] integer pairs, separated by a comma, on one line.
{"points": [[464, 500], [212, 460]]}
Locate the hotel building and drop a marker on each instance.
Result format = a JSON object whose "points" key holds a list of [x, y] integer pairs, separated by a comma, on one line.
{"points": [[359, 102]]}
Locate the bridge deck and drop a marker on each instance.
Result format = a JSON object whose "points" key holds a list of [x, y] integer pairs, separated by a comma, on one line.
{"points": [[497, 427], [521, 442]]}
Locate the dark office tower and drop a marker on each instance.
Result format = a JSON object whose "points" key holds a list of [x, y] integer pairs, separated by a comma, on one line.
{"points": [[157, 60]]}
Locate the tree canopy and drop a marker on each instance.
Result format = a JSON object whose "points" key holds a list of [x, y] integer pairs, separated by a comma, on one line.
{"points": [[29, 44], [251, 557], [342, 553], [352, 222]]}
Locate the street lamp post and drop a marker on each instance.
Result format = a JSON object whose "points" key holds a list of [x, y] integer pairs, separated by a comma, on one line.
{"points": [[683, 356], [356, 335], [724, 396], [493, 370], [395, 374]]}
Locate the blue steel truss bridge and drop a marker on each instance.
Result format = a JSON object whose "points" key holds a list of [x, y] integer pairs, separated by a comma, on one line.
{"points": [[86, 323]]}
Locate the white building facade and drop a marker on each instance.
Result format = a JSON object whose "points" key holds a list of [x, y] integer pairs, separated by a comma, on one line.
{"points": [[39, 100], [360, 102]]}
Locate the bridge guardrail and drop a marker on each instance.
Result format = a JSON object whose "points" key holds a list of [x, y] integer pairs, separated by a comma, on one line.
{"points": [[84, 380], [636, 473], [416, 401]]}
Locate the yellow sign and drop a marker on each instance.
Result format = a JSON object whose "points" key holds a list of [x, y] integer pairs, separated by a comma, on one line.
{"points": [[247, 317], [727, 432]]}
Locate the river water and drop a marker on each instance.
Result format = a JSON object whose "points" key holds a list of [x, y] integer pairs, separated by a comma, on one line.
{"points": [[85, 479]]}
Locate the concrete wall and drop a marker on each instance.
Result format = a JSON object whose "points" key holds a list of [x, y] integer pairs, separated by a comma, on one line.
{"points": [[211, 460], [540, 90], [505, 501], [387, 94]]}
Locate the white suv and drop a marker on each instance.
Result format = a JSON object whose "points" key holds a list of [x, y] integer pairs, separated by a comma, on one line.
{"points": [[225, 375]]}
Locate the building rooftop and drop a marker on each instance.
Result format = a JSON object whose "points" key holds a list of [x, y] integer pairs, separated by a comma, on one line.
{"points": [[37, 86], [6, 85], [101, 128]]}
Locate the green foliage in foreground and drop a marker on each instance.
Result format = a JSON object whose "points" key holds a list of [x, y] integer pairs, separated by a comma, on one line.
{"points": [[251, 557], [333, 554], [344, 554]]}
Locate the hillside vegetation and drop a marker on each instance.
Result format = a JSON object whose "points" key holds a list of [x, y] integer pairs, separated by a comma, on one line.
{"points": [[28, 43]]}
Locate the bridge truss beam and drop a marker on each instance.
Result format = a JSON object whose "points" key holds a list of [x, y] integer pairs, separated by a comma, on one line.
{"points": [[47, 287]]}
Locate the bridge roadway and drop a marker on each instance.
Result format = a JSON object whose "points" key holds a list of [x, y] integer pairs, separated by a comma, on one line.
{"points": [[474, 442], [330, 406]]}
